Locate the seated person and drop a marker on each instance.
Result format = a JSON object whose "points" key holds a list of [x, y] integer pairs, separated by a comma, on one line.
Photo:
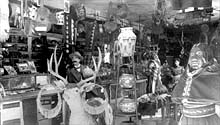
{"points": [[177, 70]]}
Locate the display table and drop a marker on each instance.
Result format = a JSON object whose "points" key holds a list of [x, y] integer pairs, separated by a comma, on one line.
{"points": [[21, 109]]}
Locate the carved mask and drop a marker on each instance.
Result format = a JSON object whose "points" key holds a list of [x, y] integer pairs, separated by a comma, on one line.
{"points": [[197, 57]]}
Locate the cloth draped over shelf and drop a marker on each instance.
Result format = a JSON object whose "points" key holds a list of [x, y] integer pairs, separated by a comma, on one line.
{"points": [[183, 4]]}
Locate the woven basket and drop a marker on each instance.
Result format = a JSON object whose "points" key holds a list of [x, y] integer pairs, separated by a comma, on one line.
{"points": [[94, 109], [49, 113]]}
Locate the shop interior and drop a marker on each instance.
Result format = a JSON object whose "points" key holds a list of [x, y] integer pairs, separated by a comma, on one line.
{"points": [[133, 55]]}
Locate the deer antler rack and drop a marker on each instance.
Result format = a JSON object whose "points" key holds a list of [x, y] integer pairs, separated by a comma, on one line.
{"points": [[57, 63], [97, 67]]}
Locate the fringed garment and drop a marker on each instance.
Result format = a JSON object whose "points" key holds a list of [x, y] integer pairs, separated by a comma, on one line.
{"points": [[200, 96]]}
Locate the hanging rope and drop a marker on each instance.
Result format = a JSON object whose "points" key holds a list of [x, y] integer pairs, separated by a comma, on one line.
{"points": [[49, 113], [182, 43]]}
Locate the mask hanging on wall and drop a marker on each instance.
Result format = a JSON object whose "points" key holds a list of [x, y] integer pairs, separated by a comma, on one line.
{"points": [[42, 22], [81, 12], [60, 18]]}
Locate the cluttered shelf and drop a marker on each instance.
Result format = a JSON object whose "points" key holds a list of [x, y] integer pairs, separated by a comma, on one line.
{"points": [[28, 95]]}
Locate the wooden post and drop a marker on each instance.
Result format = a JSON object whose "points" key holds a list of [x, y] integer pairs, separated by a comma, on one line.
{"points": [[29, 47], [64, 113], [22, 14]]}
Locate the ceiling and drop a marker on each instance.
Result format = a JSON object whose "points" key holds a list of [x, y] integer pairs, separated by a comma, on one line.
{"points": [[138, 10]]}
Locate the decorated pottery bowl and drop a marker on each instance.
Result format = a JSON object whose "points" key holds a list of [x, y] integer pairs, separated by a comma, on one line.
{"points": [[127, 81], [127, 105]]}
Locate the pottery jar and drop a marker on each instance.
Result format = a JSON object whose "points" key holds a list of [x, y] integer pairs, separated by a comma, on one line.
{"points": [[127, 81], [127, 105], [126, 42]]}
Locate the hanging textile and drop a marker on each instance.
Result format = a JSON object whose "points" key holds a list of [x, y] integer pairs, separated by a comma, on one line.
{"points": [[110, 25], [81, 11], [111, 11], [160, 7], [4, 22], [122, 10], [183, 4]]}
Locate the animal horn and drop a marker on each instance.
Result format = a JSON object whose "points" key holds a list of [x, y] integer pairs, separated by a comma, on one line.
{"points": [[97, 67]]}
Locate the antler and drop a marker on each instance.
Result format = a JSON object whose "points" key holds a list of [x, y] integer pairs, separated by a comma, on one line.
{"points": [[57, 63], [96, 69]]}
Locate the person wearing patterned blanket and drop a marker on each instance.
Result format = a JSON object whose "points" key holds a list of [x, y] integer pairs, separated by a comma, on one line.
{"points": [[198, 89]]}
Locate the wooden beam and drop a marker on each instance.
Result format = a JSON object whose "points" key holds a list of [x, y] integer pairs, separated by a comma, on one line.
{"points": [[92, 13]]}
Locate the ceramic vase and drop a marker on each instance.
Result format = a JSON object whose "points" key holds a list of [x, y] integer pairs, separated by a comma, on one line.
{"points": [[126, 42], [127, 81]]}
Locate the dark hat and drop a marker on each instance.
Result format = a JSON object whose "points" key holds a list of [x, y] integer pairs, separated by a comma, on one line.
{"points": [[177, 59], [76, 54]]}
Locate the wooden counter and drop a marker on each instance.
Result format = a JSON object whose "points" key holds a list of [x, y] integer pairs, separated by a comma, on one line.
{"points": [[27, 103], [21, 109], [27, 95]]}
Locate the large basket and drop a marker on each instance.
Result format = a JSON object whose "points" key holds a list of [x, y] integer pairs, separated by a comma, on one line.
{"points": [[94, 109]]}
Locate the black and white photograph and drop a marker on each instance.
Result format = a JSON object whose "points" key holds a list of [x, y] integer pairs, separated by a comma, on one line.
{"points": [[110, 62]]}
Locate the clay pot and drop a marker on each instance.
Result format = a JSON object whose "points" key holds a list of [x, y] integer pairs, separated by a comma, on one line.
{"points": [[127, 81], [127, 105]]}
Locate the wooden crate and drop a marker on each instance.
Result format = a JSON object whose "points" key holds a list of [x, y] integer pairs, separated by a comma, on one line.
{"points": [[11, 113]]}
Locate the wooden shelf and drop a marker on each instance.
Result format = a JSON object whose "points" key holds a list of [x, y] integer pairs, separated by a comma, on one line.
{"points": [[122, 114]]}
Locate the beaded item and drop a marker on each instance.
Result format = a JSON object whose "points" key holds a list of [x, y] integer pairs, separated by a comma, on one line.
{"points": [[203, 111]]}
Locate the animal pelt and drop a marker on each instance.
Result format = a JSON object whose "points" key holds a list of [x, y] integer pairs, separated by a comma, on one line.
{"points": [[78, 116]]}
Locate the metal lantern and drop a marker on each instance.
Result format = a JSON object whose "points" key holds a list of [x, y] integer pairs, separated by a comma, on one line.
{"points": [[127, 105], [127, 80], [126, 42]]}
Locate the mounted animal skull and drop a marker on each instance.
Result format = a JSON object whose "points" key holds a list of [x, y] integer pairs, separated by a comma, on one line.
{"points": [[43, 23], [78, 115], [81, 108], [32, 12]]}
